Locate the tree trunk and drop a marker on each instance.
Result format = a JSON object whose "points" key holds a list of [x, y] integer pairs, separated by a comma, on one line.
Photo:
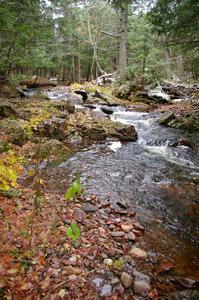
{"points": [[122, 60], [167, 55]]}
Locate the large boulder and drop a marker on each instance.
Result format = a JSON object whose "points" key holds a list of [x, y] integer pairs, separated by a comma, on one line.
{"points": [[53, 128], [97, 129]]}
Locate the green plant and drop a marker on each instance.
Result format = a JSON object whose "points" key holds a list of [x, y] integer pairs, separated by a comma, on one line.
{"points": [[74, 189], [73, 232]]}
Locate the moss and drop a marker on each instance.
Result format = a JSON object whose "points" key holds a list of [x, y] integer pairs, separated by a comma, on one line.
{"points": [[187, 122], [15, 129]]}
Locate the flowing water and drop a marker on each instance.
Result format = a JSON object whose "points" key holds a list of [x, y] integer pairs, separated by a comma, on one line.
{"points": [[153, 176]]}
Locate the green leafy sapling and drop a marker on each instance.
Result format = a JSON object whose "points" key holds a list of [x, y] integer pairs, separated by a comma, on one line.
{"points": [[74, 189], [73, 232]]}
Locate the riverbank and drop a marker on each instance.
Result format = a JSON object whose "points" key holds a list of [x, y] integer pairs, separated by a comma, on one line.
{"points": [[104, 261]]}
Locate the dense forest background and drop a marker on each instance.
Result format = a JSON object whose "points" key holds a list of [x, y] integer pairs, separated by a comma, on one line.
{"points": [[81, 40]]}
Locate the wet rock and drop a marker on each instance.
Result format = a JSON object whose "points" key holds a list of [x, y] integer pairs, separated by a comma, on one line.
{"points": [[126, 280], [126, 227], [107, 110], [79, 215], [141, 288], [117, 234], [158, 95], [166, 119], [87, 207], [130, 236], [126, 133], [138, 253], [106, 290], [91, 106], [82, 93]]}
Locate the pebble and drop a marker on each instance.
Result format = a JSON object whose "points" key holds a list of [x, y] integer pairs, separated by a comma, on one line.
{"points": [[117, 233], [98, 281], [79, 215], [106, 290], [138, 226], [72, 277], [141, 288], [139, 253], [130, 236], [126, 280], [140, 276], [87, 207], [126, 227], [108, 261]]}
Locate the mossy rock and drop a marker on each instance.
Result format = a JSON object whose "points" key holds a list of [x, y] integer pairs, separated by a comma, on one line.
{"points": [[40, 97], [167, 119], [52, 150], [188, 122], [16, 130], [98, 129]]}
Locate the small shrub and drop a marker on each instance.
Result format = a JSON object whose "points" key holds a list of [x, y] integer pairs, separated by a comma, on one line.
{"points": [[74, 189], [10, 168]]}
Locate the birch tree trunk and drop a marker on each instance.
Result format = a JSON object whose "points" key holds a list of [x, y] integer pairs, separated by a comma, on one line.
{"points": [[122, 59]]}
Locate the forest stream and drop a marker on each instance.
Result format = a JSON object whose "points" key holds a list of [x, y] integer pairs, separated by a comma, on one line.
{"points": [[152, 176]]}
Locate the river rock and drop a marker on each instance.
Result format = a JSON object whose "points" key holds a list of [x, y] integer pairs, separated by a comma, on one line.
{"points": [[87, 207], [108, 262], [141, 288], [106, 290], [138, 226], [79, 215], [126, 280], [166, 119], [130, 236], [158, 95], [140, 276], [107, 110], [82, 93], [138, 253], [126, 227], [53, 128], [117, 234]]}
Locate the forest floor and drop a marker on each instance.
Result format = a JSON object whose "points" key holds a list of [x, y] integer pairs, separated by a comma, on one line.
{"points": [[43, 254]]}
